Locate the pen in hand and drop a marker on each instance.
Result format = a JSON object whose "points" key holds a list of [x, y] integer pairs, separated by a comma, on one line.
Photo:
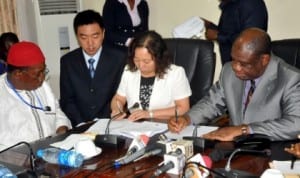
{"points": [[120, 110], [293, 161]]}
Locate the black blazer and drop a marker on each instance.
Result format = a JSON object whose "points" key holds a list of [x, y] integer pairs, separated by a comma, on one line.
{"points": [[83, 98], [118, 24]]}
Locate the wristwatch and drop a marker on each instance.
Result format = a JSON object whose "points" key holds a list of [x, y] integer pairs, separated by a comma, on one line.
{"points": [[244, 130], [150, 114]]}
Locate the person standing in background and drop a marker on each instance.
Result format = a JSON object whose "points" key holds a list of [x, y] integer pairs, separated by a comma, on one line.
{"points": [[6, 41], [90, 74], [236, 16], [29, 110], [123, 19]]}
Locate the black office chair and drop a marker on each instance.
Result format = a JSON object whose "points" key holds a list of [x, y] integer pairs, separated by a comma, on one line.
{"points": [[197, 57], [288, 50]]}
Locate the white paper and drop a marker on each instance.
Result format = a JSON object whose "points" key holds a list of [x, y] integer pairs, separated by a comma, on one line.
{"points": [[70, 141], [122, 127], [188, 131], [285, 166], [190, 28], [128, 128]]}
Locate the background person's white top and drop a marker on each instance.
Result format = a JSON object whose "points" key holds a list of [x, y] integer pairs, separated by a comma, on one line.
{"points": [[173, 86], [16, 118]]}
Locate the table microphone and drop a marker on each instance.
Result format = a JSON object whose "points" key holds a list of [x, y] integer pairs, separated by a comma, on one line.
{"points": [[107, 139], [229, 173]]}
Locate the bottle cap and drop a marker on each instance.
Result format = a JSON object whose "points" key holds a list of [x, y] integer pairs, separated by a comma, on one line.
{"points": [[40, 153]]}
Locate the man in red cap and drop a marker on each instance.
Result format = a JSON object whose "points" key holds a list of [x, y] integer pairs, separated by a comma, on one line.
{"points": [[29, 110]]}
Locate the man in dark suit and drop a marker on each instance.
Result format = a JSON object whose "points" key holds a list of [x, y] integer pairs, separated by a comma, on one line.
{"points": [[89, 75]]}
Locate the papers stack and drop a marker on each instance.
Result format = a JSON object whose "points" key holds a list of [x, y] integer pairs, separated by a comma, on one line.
{"points": [[285, 167], [122, 127], [192, 27]]}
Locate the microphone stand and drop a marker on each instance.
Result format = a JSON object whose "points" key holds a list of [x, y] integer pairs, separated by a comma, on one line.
{"points": [[113, 140], [32, 157], [197, 141], [228, 172]]}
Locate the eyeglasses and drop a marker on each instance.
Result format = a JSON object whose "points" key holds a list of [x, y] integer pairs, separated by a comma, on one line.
{"points": [[37, 74]]}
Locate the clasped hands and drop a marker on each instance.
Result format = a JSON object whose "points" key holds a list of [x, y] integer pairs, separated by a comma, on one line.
{"points": [[221, 134]]}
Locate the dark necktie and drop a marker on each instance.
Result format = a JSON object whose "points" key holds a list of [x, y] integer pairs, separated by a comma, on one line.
{"points": [[250, 93], [91, 67]]}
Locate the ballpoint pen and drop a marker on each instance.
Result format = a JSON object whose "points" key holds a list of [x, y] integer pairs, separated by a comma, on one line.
{"points": [[120, 110], [293, 161], [176, 114]]}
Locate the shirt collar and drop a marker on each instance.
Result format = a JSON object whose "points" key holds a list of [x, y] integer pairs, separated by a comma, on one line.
{"points": [[96, 57]]}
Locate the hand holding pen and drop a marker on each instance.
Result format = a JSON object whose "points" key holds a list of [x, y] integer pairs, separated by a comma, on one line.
{"points": [[119, 114], [178, 123], [295, 151]]}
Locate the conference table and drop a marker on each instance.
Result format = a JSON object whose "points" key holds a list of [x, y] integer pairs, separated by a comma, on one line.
{"points": [[102, 165]]}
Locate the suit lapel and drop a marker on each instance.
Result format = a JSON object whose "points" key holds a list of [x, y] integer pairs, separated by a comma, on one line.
{"points": [[263, 89], [238, 91]]}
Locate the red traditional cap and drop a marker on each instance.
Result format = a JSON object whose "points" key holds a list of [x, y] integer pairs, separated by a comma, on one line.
{"points": [[25, 54]]}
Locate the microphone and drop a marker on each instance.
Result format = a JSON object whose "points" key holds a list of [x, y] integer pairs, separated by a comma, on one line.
{"points": [[198, 165], [130, 158], [173, 163], [137, 143], [32, 157], [154, 152], [164, 168], [228, 172], [199, 142]]}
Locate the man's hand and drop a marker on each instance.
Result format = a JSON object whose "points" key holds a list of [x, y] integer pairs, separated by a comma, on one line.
{"points": [[211, 34], [62, 130], [294, 149], [179, 124], [224, 133]]}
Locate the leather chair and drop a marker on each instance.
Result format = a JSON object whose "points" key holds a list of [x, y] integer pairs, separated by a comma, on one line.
{"points": [[197, 57], [288, 50]]}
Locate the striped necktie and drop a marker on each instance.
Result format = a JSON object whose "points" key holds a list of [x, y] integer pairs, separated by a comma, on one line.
{"points": [[250, 93], [91, 67]]}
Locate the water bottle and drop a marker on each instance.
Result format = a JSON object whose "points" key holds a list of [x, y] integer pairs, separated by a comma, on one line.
{"points": [[61, 157], [6, 173]]}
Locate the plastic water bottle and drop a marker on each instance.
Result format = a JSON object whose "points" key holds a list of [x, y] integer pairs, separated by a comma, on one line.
{"points": [[61, 157], [6, 173]]}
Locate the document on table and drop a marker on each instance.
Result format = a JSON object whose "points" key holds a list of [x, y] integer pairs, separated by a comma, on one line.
{"points": [[285, 166], [188, 131], [122, 127], [128, 128]]}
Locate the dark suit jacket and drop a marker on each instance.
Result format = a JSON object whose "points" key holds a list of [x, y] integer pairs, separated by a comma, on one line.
{"points": [[236, 16], [83, 98], [118, 24]]}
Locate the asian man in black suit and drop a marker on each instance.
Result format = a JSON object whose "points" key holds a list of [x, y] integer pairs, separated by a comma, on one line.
{"points": [[90, 74]]}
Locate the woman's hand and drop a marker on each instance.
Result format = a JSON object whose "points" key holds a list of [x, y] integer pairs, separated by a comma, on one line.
{"points": [[117, 115], [139, 114]]}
